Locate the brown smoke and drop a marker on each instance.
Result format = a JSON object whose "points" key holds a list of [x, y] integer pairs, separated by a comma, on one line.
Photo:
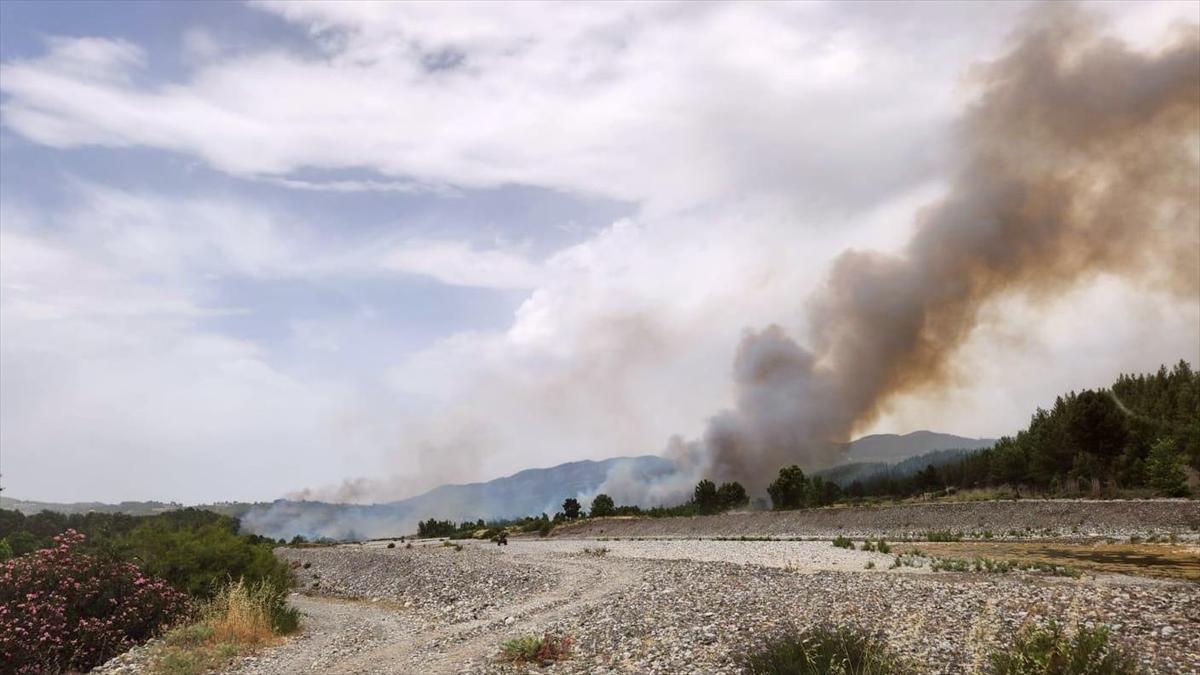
{"points": [[1080, 157]]}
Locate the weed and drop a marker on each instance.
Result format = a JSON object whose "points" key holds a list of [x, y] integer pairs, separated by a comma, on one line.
{"points": [[868, 545], [242, 618], [541, 650], [943, 535], [823, 649], [843, 542], [883, 547], [1052, 651], [598, 552]]}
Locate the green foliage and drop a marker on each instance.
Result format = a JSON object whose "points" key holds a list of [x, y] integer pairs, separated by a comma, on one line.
{"points": [[195, 551], [1164, 471], [571, 508], [789, 489], [436, 528], [705, 496], [1052, 651], [824, 650], [6, 551], [1087, 441], [943, 535], [540, 650], [731, 496], [843, 542], [602, 506]]}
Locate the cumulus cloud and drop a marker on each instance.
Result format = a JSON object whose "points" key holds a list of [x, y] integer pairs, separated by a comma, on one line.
{"points": [[753, 141]]}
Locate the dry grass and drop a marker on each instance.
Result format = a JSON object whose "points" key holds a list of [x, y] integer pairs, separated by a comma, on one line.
{"points": [[242, 619], [1156, 560]]}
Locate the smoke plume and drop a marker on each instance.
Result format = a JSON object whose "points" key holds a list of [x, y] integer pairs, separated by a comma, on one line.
{"points": [[1080, 158]]}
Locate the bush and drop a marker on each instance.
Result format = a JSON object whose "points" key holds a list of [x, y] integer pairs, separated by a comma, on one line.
{"points": [[823, 650], [240, 619], [391, 544], [1052, 651], [6, 551], [1164, 469], [843, 542], [533, 649], [61, 609], [602, 506]]}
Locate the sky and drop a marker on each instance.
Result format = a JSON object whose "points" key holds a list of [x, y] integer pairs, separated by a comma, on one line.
{"points": [[354, 251]]}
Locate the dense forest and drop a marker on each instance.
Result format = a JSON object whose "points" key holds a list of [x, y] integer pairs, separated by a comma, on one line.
{"points": [[1141, 433]]}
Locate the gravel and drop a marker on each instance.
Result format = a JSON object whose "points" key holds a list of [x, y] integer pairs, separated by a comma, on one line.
{"points": [[1029, 517], [694, 606], [440, 583]]}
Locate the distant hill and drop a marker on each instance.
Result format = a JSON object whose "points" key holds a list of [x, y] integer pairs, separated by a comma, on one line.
{"points": [[526, 492], [846, 474], [891, 448]]}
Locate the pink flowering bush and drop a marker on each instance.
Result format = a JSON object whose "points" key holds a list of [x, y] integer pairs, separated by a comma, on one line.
{"points": [[61, 609]]}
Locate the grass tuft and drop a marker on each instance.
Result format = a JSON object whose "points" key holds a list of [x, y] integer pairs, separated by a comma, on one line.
{"points": [[540, 650], [1052, 650], [821, 650], [241, 619]]}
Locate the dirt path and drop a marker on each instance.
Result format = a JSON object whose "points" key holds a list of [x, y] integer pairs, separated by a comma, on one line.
{"points": [[355, 637]]}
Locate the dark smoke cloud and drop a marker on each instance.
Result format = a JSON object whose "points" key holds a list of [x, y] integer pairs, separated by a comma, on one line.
{"points": [[1080, 158]]}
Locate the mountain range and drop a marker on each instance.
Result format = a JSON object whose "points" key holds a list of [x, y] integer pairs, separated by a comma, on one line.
{"points": [[526, 492]]}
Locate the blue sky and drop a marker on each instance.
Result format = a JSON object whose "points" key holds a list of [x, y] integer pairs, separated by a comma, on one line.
{"points": [[254, 249]]}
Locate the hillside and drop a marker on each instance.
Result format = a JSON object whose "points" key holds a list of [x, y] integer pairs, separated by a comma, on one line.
{"points": [[889, 448], [526, 492]]}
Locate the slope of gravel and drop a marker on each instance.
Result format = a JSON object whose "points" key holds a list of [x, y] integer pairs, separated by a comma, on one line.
{"points": [[1119, 518], [802, 556], [441, 583], [689, 617]]}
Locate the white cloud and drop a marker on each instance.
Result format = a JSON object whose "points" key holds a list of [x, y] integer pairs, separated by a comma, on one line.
{"points": [[756, 141], [460, 264], [669, 105]]}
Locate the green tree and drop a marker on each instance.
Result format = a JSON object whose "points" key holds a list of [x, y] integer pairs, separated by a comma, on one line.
{"points": [[5, 550], [602, 506], [705, 496], [1164, 471], [571, 508], [731, 496], [789, 489]]}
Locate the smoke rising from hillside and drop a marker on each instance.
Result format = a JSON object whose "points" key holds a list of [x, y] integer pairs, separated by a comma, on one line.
{"points": [[1080, 158]]}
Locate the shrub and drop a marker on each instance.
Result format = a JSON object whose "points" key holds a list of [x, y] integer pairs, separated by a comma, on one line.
{"points": [[65, 610], [1164, 469], [240, 619], [843, 542], [603, 505], [391, 544], [943, 535], [1052, 651], [732, 495], [883, 547], [822, 650], [6, 551], [532, 649]]}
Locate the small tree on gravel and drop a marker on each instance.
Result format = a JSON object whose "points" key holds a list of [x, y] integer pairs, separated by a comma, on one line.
{"points": [[1164, 471], [603, 505], [705, 496], [789, 489], [732, 496], [571, 508]]}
